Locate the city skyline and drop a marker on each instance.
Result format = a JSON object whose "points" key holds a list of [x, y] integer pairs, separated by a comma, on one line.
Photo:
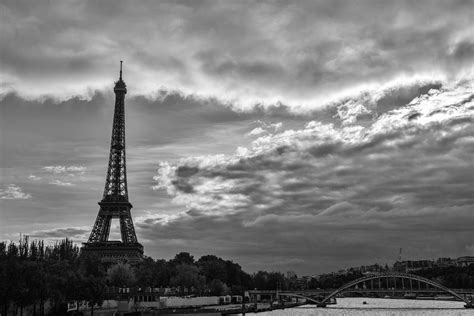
{"points": [[307, 136]]}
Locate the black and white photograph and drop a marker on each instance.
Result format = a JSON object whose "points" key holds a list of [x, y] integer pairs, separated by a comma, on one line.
{"points": [[236, 157]]}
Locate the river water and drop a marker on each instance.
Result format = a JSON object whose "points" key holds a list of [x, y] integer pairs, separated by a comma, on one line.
{"points": [[377, 307]]}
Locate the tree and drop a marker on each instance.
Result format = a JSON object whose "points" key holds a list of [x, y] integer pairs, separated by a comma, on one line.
{"points": [[276, 280], [120, 274], [260, 280], [162, 273], [314, 284], [230, 273], [217, 287], [183, 258], [91, 283], [143, 272], [213, 268], [9, 271], [188, 276], [60, 274], [157, 273]]}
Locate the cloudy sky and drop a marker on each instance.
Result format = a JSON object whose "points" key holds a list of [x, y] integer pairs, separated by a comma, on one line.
{"points": [[304, 135]]}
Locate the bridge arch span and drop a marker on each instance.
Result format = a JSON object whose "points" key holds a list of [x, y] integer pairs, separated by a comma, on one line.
{"points": [[394, 275]]}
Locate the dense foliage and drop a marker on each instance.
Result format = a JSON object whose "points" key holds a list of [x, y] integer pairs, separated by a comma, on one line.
{"points": [[32, 273], [209, 274], [333, 281], [452, 277]]}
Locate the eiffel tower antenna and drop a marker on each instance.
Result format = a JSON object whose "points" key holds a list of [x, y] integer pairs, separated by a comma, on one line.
{"points": [[114, 203]]}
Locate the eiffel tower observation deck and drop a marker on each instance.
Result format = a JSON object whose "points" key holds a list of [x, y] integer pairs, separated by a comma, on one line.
{"points": [[114, 203]]}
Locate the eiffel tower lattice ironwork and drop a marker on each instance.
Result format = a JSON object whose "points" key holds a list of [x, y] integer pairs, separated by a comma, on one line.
{"points": [[114, 203]]}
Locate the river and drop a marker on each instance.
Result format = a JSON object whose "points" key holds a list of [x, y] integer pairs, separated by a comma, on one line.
{"points": [[377, 307]]}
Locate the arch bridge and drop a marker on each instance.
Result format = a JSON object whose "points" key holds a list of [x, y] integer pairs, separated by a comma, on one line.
{"points": [[403, 276], [380, 283]]}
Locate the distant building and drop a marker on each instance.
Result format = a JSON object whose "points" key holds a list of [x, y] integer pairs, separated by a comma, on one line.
{"points": [[412, 265], [374, 268], [465, 261], [407, 266], [445, 262]]}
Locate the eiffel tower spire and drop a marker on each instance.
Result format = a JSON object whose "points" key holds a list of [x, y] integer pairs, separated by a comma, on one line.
{"points": [[116, 179], [114, 203]]}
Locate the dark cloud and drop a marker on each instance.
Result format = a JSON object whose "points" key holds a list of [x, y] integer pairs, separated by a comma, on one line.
{"points": [[464, 51], [226, 67]]}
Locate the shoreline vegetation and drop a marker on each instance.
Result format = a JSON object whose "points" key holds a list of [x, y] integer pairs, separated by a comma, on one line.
{"points": [[39, 275]]}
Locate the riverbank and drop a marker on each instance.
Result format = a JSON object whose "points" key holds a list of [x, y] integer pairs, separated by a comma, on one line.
{"points": [[354, 306], [110, 308]]}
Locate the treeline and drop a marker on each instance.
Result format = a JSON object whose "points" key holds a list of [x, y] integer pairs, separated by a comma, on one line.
{"points": [[207, 275], [451, 277], [333, 281], [32, 273]]}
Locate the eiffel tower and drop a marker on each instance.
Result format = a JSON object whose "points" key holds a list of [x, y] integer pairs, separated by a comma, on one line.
{"points": [[114, 203]]}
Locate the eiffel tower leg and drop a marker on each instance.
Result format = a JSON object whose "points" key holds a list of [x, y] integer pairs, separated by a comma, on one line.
{"points": [[127, 230], [106, 232], [97, 234]]}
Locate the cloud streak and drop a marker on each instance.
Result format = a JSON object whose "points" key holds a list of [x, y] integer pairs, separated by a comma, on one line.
{"points": [[61, 183], [70, 232], [65, 169], [13, 192]]}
